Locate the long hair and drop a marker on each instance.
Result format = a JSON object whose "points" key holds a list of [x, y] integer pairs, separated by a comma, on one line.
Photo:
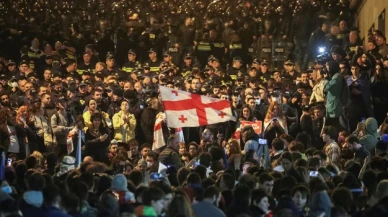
{"points": [[242, 112], [4, 113], [234, 147], [381, 77], [20, 112], [179, 207], [271, 107]]}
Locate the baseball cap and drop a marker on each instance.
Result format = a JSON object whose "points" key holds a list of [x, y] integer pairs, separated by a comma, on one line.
{"points": [[152, 50], [188, 56], [132, 51], [289, 62]]}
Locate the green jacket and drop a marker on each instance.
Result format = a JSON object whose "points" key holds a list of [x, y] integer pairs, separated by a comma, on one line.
{"points": [[333, 89]]}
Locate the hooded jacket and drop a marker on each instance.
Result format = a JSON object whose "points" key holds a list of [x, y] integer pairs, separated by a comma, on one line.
{"points": [[320, 203], [31, 204], [370, 138], [333, 89]]}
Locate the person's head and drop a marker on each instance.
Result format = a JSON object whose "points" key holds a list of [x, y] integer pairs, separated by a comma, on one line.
{"points": [[179, 206], [286, 161], [278, 144], [97, 95], [154, 197], [173, 142], [96, 119], [382, 189], [113, 147], [300, 195], [86, 57], [196, 84], [274, 111], [260, 200], [329, 134], [193, 149], [266, 182], [355, 69], [227, 182], [233, 147], [144, 150], [92, 105], [52, 196], [246, 112], [150, 158], [212, 194], [45, 99], [36, 182], [342, 197], [207, 135], [353, 143]]}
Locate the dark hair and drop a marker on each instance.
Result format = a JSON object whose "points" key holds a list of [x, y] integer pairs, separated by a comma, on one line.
{"points": [[302, 189], [31, 162], [352, 139], [314, 162], [36, 182], [80, 189], [152, 194], [182, 175], [50, 194], [201, 171], [330, 131], [265, 177], [278, 144], [248, 180], [211, 192], [229, 180], [342, 197], [70, 202], [136, 177]]}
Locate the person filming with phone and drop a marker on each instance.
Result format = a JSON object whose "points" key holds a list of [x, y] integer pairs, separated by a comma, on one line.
{"points": [[275, 122]]}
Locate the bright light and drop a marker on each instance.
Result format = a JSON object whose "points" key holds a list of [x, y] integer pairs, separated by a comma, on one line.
{"points": [[321, 49]]}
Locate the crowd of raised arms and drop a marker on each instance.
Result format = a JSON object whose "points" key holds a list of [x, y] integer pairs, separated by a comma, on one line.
{"points": [[79, 98]]}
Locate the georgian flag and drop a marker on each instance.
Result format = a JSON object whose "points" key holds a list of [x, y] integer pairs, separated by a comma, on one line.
{"points": [[158, 132], [184, 109]]}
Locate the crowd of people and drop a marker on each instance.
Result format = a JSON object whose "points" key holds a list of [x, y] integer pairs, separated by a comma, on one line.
{"points": [[79, 100]]}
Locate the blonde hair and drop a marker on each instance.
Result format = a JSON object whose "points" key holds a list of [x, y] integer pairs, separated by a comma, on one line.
{"points": [[19, 114], [39, 157], [271, 107]]}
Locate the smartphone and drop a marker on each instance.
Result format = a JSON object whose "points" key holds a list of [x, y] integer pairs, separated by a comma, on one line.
{"points": [[196, 164], [363, 120], [156, 176], [9, 161], [313, 173], [262, 141]]}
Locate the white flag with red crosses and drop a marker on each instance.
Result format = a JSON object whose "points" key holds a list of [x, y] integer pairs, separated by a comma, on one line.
{"points": [[184, 109]]}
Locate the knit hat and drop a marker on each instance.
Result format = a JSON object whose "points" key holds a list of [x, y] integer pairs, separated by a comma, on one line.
{"points": [[119, 183], [66, 165]]}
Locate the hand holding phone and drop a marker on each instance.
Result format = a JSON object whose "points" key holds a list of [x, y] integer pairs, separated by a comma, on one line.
{"points": [[313, 173]]}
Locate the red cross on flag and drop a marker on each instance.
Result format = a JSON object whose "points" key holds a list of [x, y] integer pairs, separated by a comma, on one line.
{"points": [[184, 109]]}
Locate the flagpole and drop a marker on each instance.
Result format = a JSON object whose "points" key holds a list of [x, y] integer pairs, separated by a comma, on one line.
{"points": [[78, 151]]}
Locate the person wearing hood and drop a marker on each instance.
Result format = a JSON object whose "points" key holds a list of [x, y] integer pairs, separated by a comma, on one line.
{"points": [[251, 140], [320, 204], [119, 187], [335, 90], [367, 134], [32, 201]]}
